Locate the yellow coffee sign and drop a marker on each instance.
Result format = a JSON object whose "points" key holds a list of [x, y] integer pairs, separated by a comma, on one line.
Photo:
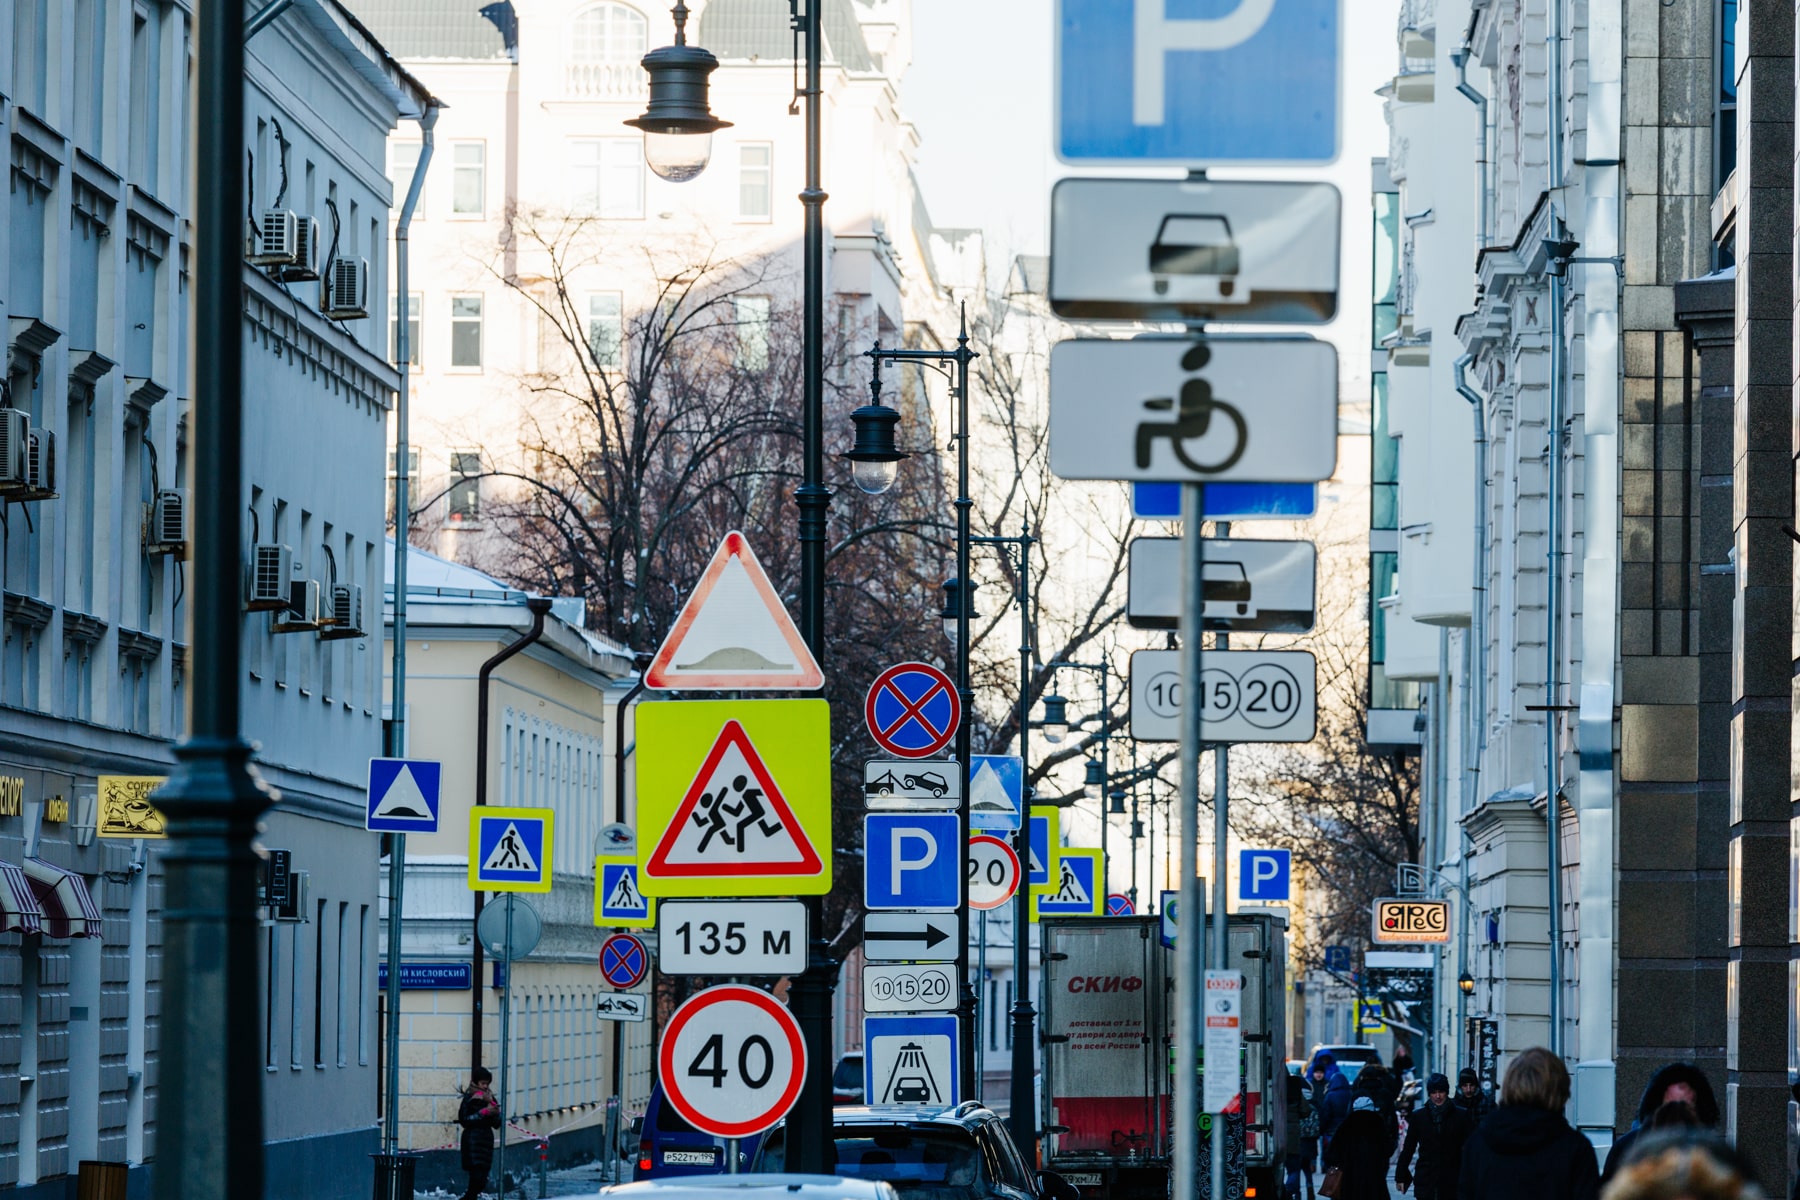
{"points": [[125, 808]]}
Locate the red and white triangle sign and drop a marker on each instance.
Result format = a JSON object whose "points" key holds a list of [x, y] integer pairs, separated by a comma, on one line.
{"points": [[734, 633], [733, 821]]}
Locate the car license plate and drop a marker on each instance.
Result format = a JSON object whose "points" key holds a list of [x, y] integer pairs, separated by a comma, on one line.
{"points": [[1088, 1179], [690, 1158]]}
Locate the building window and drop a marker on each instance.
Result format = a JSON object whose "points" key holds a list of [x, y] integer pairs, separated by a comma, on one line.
{"points": [[605, 45], [606, 329], [465, 332], [1726, 133], [465, 487], [468, 178], [606, 177], [755, 182], [403, 160], [753, 333], [415, 302], [412, 483]]}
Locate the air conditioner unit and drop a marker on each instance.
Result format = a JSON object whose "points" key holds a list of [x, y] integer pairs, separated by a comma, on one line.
{"points": [[40, 468], [278, 238], [302, 615], [15, 449], [306, 252], [271, 578], [346, 613], [166, 528], [344, 294]]}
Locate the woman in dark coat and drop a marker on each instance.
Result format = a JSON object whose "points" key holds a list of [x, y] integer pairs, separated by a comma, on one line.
{"points": [[1303, 1151], [479, 1116], [1525, 1147], [1361, 1149]]}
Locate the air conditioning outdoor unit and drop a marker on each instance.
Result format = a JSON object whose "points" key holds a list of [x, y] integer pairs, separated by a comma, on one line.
{"points": [[306, 252], [346, 613], [40, 467], [271, 578], [344, 294], [278, 238], [15, 449], [302, 615], [166, 530]]}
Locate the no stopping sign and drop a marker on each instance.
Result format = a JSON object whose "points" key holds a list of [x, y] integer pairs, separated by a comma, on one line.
{"points": [[732, 1061]]}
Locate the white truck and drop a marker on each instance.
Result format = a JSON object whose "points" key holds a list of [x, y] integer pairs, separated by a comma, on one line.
{"points": [[1108, 1031]]}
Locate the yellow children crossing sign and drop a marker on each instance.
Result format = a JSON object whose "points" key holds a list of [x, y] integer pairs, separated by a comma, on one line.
{"points": [[734, 798]]}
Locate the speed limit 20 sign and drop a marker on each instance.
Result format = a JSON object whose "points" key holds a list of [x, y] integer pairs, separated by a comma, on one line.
{"points": [[732, 1061], [1248, 696], [993, 870]]}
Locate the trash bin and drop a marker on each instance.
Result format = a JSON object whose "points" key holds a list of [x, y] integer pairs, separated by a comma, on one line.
{"points": [[100, 1180], [393, 1176]]}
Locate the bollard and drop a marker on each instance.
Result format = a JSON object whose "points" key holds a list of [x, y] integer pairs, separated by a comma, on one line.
{"points": [[543, 1169]]}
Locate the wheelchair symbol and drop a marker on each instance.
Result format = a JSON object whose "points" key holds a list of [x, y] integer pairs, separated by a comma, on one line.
{"points": [[1193, 419]]}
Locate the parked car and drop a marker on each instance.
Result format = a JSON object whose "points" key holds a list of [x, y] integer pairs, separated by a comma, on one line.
{"points": [[961, 1153], [847, 1080], [751, 1187], [669, 1148]]}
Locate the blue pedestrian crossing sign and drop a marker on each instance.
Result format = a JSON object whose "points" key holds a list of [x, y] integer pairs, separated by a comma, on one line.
{"points": [[1263, 874], [509, 849], [1184, 83], [618, 900], [1045, 841], [1077, 889], [403, 796]]}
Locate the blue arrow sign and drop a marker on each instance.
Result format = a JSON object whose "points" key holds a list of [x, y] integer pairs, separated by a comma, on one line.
{"points": [[1228, 501], [1195, 81], [911, 861], [403, 796], [1263, 874]]}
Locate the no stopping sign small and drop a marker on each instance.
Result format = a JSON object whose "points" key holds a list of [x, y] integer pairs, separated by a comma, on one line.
{"points": [[732, 1061]]}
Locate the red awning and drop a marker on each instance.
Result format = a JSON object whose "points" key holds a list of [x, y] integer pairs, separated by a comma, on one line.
{"points": [[19, 912], [69, 909]]}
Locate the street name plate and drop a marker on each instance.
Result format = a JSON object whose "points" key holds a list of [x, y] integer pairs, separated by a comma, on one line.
{"points": [[1251, 586], [1251, 696], [1195, 250], [909, 987], [1171, 409], [731, 937]]}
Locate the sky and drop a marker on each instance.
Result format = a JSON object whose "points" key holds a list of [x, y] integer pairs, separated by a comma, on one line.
{"points": [[980, 92]]}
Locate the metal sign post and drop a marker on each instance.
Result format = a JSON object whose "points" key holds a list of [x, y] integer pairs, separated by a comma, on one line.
{"points": [[505, 1043], [1221, 832], [1187, 949]]}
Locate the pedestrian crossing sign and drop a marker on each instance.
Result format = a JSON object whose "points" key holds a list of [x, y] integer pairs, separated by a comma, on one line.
{"points": [[734, 798], [1078, 888], [509, 849], [1046, 841], [618, 900]]}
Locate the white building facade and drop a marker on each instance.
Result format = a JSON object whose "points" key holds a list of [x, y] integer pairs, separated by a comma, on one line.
{"points": [[94, 261]]}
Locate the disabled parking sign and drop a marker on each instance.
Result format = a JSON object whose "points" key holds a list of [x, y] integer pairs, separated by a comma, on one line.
{"points": [[509, 849]]}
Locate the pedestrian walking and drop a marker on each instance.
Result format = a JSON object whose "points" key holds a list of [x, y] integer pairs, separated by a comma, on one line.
{"points": [[1303, 1137], [479, 1116], [1382, 1087], [1681, 1084], [1474, 1103], [1525, 1148], [1360, 1151], [1334, 1093], [1436, 1131], [1687, 1163]]}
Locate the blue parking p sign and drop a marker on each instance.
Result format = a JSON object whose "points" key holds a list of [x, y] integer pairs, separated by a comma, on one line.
{"points": [[1263, 874], [1186, 82], [912, 861]]}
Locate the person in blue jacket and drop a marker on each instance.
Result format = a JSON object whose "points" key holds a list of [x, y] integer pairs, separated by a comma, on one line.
{"points": [[1337, 1098]]}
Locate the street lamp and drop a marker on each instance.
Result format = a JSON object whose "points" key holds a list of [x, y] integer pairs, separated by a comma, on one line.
{"points": [[874, 459], [678, 124], [953, 607], [1056, 719], [1466, 982], [1095, 779], [1118, 803]]}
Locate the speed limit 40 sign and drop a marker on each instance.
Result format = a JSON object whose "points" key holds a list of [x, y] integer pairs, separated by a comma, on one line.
{"points": [[732, 1061], [1248, 696]]}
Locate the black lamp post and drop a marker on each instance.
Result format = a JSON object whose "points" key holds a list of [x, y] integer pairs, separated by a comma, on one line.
{"points": [[1056, 719], [1117, 798], [954, 608], [874, 459], [1466, 982], [678, 124], [678, 114]]}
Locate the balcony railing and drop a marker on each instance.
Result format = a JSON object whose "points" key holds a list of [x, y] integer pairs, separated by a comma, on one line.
{"points": [[605, 81]]}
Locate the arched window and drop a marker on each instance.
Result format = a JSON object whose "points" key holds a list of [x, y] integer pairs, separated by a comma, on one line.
{"points": [[606, 43]]}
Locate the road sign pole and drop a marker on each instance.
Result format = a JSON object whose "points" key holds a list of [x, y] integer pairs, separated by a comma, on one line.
{"points": [[1220, 931], [1024, 1057], [1187, 948], [390, 1134], [965, 1013], [505, 1045]]}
